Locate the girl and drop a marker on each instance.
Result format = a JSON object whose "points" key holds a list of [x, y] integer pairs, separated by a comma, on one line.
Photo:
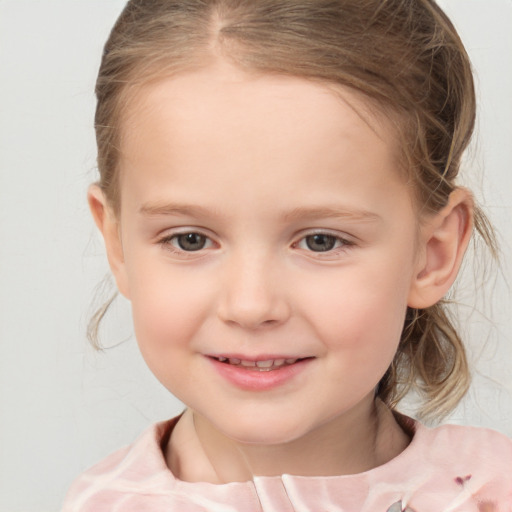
{"points": [[278, 201]]}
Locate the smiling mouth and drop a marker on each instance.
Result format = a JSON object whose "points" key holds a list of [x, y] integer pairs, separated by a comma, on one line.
{"points": [[259, 366]]}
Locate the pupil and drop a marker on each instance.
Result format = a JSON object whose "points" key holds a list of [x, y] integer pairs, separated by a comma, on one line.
{"points": [[320, 243], [191, 242]]}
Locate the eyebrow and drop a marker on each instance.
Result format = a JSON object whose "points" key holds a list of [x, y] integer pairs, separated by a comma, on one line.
{"points": [[176, 209], [337, 212], [297, 214]]}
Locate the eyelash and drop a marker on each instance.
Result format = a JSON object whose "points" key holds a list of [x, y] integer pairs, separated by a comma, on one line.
{"points": [[167, 243], [340, 243]]}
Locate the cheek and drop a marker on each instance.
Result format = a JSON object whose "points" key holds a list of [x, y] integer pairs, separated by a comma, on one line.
{"points": [[167, 307], [166, 318], [361, 333], [363, 312]]}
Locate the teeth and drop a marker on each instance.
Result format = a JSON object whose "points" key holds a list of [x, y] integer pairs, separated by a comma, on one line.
{"points": [[265, 364]]}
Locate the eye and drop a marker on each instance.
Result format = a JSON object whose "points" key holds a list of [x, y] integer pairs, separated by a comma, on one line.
{"points": [[189, 242], [322, 242]]}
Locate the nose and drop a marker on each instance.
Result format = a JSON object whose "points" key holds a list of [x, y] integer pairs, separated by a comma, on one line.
{"points": [[252, 296]]}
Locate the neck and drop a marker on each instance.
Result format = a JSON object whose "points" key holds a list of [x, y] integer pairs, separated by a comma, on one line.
{"points": [[357, 441]]}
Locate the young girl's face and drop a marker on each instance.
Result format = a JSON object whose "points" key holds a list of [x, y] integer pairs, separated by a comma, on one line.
{"points": [[267, 245]]}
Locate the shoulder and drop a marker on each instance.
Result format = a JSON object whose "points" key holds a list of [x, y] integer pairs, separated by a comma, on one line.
{"points": [[468, 467], [456, 468], [136, 469], [467, 442], [465, 450], [470, 445]]}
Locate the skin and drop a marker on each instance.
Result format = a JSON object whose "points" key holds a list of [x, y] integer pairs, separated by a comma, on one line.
{"points": [[257, 164]]}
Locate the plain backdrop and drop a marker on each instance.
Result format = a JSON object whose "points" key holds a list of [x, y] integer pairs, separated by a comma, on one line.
{"points": [[63, 406]]}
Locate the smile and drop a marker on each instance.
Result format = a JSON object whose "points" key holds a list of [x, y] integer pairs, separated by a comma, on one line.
{"points": [[266, 365], [259, 374]]}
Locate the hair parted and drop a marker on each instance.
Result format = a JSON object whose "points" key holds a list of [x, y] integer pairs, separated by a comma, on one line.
{"points": [[402, 55]]}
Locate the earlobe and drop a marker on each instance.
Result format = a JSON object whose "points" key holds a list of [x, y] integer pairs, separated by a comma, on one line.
{"points": [[108, 224], [443, 241]]}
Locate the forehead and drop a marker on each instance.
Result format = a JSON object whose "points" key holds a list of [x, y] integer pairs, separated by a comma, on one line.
{"points": [[236, 96], [223, 125]]}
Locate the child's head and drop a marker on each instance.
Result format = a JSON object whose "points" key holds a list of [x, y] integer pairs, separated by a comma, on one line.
{"points": [[387, 92]]}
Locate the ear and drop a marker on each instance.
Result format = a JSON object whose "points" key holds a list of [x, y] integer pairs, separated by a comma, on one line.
{"points": [[108, 224], [443, 241]]}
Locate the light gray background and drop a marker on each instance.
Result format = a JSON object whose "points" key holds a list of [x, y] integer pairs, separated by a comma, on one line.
{"points": [[63, 407]]}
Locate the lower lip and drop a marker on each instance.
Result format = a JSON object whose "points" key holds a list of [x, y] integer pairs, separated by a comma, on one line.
{"points": [[255, 380]]}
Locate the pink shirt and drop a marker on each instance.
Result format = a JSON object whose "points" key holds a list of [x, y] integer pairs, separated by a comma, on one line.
{"points": [[449, 468]]}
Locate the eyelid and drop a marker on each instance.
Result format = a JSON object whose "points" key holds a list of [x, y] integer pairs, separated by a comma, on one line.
{"points": [[345, 237]]}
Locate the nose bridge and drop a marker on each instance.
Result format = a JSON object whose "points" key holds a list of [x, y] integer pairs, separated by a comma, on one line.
{"points": [[252, 294]]}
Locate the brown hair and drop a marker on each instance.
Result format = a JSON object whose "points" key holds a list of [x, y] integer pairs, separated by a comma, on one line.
{"points": [[404, 55]]}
